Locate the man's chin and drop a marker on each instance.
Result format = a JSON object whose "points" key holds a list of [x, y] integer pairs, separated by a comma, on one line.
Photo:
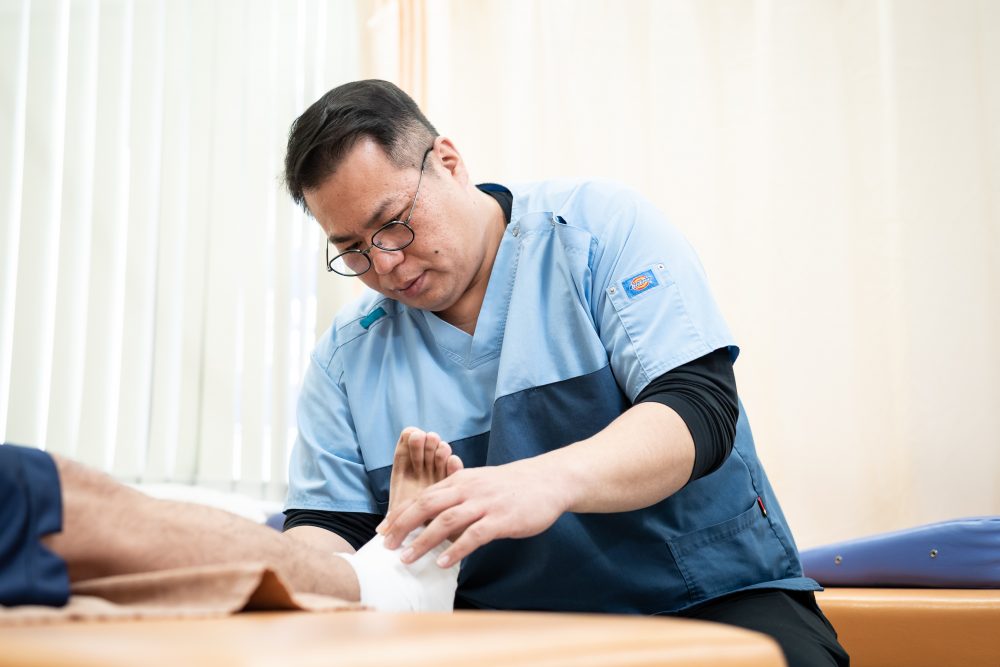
{"points": [[432, 295], [423, 301]]}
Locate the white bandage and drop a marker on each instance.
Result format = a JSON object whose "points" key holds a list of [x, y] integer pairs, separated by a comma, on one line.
{"points": [[387, 584]]}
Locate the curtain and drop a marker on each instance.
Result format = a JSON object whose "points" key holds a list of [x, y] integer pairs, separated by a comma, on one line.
{"points": [[159, 289], [835, 163]]}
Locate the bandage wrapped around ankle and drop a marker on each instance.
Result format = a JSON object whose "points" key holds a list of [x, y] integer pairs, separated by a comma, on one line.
{"points": [[388, 584]]}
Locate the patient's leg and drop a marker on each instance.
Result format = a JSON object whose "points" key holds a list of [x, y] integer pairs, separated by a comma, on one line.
{"points": [[111, 529]]}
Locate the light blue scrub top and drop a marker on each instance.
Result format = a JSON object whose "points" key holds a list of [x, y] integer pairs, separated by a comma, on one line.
{"points": [[593, 294]]}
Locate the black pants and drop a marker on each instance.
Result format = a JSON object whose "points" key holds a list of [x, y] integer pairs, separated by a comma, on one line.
{"points": [[792, 618]]}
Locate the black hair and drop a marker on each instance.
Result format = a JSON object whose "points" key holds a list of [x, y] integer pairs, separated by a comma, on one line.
{"points": [[321, 137]]}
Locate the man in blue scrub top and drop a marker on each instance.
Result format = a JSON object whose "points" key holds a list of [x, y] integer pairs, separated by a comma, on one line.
{"points": [[562, 337]]}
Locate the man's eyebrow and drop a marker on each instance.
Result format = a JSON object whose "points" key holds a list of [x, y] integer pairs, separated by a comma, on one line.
{"points": [[376, 220]]}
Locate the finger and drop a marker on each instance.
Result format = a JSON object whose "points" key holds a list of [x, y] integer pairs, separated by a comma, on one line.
{"points": [[390, 517], [454, 465], [475, 535], [416, 448], [453, 520], [425, 507]]}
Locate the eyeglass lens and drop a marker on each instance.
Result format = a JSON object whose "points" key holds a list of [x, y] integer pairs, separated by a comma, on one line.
{"points": [[350, 263], [393, 236]]}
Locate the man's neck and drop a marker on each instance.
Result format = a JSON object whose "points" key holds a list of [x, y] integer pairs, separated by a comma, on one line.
{"points": [[464, 313]]}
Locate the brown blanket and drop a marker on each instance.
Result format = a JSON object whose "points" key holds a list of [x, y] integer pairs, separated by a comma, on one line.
{"points": [[204, 591]]}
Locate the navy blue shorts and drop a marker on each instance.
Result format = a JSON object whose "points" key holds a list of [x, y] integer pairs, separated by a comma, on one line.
{"points": [[30, 508]]}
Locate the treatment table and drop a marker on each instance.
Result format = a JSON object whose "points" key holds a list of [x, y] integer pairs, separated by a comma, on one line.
{"points": [[348, 638]]}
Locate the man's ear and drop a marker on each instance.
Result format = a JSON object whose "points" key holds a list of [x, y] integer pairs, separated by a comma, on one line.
{"points": [[448, 155]]}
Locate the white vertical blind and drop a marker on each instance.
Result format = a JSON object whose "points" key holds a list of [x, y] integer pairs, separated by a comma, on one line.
{"points": [[65, 399], [159, 289], [14, 52], [44, 107], [102, 331]]}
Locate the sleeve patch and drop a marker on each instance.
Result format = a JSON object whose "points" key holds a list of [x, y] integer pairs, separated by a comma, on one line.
{"points": [[640, 283]]}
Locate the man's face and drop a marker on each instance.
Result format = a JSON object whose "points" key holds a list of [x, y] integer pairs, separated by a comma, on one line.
{"points": [[367, 191]]}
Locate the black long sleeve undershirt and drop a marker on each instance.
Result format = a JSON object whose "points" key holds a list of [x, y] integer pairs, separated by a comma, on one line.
{"points": [[702, 392], [355, 527]]}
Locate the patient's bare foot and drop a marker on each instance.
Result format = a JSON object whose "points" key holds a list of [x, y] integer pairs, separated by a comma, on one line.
{"points": [[384, 581], [421, 459]]}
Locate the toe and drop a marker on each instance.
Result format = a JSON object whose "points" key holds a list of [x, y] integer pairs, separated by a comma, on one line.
{"points": [[454, 465], [416, 444], [430, 449], [402, 452], [441, 455]]}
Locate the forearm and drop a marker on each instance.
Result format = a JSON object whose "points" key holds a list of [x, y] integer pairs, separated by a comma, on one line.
{"points": [[642, 457]]}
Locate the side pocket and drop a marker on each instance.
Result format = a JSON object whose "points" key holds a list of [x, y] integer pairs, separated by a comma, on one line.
{"points": [[739, 552]]}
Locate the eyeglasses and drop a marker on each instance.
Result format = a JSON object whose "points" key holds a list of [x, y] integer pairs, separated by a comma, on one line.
{"points": [[393, 236]]}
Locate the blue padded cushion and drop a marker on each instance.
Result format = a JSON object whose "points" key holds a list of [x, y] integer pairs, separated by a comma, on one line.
{"points": [[962, 553]]}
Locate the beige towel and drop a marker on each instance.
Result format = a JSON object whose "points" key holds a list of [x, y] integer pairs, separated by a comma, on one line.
{"points": [[204, 591]]}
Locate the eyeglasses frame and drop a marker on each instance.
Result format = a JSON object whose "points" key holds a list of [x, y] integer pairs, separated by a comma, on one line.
{"points": [[367, 251]]}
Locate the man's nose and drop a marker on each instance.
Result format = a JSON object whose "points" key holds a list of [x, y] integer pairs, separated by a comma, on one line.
{"points": [[384, 261]]}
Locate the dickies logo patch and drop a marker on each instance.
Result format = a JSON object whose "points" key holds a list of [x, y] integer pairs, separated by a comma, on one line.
{"points": [[639, 283]]}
